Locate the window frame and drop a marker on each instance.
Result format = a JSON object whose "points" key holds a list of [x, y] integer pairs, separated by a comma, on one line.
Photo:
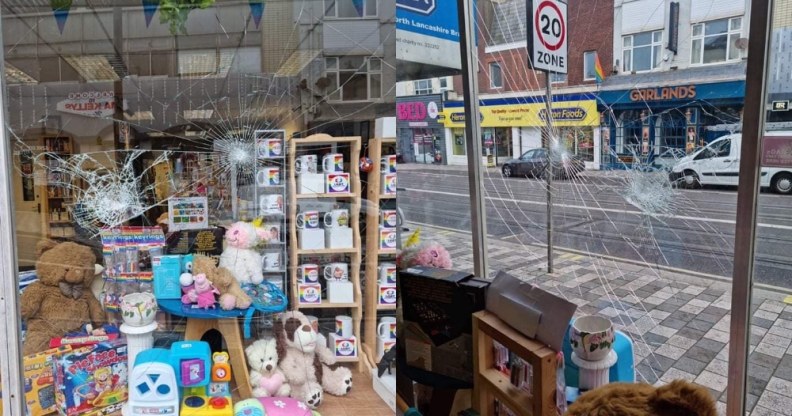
{"points": [[337, 95], [492, 65], [554, 80], [593, 64], [335, 15], [631, 49], [729, 34], [426, 90]]}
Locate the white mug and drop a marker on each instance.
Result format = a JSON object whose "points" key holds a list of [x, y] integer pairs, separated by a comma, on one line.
{"points": [[305, 164], [388, 164], [387, 274], [336, 218], [333, 162], [268, 177], [389, 218], [387, 327], [344, 326], [384, 345], [308, 273], [307, 220], [271, 204], [272, 261], [336, 271], [269, 148], [271, 233]]}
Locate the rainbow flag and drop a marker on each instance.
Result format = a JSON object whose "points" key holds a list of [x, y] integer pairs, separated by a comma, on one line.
{"points": [[598, 72]]}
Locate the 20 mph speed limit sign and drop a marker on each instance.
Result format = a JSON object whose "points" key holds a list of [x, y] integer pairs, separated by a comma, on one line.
{"points": [[547, 46]]}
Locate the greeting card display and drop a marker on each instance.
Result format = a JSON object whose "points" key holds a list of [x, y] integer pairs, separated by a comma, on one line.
{"points": [[190, 213]]}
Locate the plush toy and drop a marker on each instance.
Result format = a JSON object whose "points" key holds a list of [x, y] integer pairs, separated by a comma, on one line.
{"points": [[203, 292], [308, 371], [676, 398], [266, 377], [231, 294], [429, 254], [61, 300], [239, 256]]}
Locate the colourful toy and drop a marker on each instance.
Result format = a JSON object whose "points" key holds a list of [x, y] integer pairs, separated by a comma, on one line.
{"points": [[167, 273], [91, 378], [266, 378], [231, 294], [286, 406], [40, 381], [185, 380], [249, 407], [202, 294]]}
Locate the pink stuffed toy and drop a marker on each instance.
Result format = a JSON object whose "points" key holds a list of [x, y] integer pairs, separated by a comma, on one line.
{"points": [[430, 254], [240, 256], [203, 292]]}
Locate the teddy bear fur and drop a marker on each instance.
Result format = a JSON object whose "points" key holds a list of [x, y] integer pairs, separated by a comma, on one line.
{"points": [[49, 312], [627, 399], [231, 294], [266, 377], [309, 370], [239, 255]]}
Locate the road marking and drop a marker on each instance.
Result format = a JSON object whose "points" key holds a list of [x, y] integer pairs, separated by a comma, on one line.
{"points": [[608, 210]]}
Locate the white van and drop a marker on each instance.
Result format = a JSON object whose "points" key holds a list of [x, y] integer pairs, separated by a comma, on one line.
{"points": [[718, 163]]}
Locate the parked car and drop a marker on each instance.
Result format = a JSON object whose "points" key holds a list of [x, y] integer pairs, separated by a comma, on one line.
{"points": [[718, 163], [534, 163]]}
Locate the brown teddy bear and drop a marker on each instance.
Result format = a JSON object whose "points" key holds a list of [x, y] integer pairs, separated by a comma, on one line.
{"points": [[626, 399], [231, 294], [61, 300]]}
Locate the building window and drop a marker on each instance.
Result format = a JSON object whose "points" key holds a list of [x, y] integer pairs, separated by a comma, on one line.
{"points": [[557, 78], [589, 59], [496, 77], [354, 78], [350, 9], [444, 84], [423, 86], [641, 51], [715, 41], [507, 22]]}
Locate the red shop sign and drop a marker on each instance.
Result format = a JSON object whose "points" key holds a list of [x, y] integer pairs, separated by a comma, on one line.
{"points": [[411, 111]]}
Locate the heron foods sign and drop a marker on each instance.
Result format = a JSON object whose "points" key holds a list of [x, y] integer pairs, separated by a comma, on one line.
{"points": [[565, 114]]}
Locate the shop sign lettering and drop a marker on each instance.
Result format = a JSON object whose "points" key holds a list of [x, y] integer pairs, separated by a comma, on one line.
{"points": [[565, 114], [777, 151], [665, 93], [89, 104], [411, 111]]}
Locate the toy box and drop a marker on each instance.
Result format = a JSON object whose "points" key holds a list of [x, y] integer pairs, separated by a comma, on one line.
{"points": [[435, 335], [90, 379], [40, 381], [167, 270]]}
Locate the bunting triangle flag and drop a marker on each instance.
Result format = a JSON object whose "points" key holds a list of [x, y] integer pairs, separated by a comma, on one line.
{"points": [[60, 9], [150, 9], [257, 11], [358, 7]]}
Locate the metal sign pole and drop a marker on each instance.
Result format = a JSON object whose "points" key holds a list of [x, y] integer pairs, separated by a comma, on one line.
{"points": [[549, 170]]}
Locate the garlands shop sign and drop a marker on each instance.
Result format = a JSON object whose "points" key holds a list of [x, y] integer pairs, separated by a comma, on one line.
{"points": [[89, 104], [665, 93]]}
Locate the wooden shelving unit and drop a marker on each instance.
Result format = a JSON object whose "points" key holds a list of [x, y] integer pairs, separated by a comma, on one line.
{"points": [[373, 252], [56, 196], [491, 384], [354, 254]]}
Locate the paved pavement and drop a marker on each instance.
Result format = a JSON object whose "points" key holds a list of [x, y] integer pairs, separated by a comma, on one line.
{"points": [[680, 323]]}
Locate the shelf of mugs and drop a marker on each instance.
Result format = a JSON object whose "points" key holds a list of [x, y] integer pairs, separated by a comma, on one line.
{"points": [[332, 195], [326, 305]]}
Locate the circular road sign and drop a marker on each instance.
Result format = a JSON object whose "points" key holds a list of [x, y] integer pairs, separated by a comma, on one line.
{"points": [[549, 25]]}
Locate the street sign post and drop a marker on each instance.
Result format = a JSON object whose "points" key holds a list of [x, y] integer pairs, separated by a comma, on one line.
{"points": [[547, 51]]}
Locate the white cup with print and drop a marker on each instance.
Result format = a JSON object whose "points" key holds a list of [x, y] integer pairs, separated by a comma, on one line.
{"points": [[336, 218], [387, 327], [344, 327], [307, 220], [272, 261], [308, 273], [271, 204], [305, 164], [387, 274], [333, 162], [336, 271]]}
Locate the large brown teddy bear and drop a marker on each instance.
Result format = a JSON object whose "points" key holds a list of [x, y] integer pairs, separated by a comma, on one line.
{"points": [[309, 368], [231, 294], [61, 300], [624, 399]]}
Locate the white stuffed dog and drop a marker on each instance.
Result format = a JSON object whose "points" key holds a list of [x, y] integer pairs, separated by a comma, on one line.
{"points": [[266, 377], [309, 370]]}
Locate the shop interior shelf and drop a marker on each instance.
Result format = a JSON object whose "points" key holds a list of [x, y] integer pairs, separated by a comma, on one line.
{"points": [[328, 306], [388, 252], [347, 359], [338, 195], [503, 390], [386, 307], [327, 251], [389, 196]]}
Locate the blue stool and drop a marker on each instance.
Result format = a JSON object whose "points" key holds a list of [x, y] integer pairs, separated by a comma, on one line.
{"points": [[623, 371]]}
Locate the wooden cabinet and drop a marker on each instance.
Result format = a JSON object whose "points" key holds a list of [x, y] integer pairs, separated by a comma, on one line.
{"points": [[58, 190]]}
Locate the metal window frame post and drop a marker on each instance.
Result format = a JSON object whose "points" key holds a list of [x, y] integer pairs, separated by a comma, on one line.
{"points": [[10, 317], [478, 214], [747, 202]]}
